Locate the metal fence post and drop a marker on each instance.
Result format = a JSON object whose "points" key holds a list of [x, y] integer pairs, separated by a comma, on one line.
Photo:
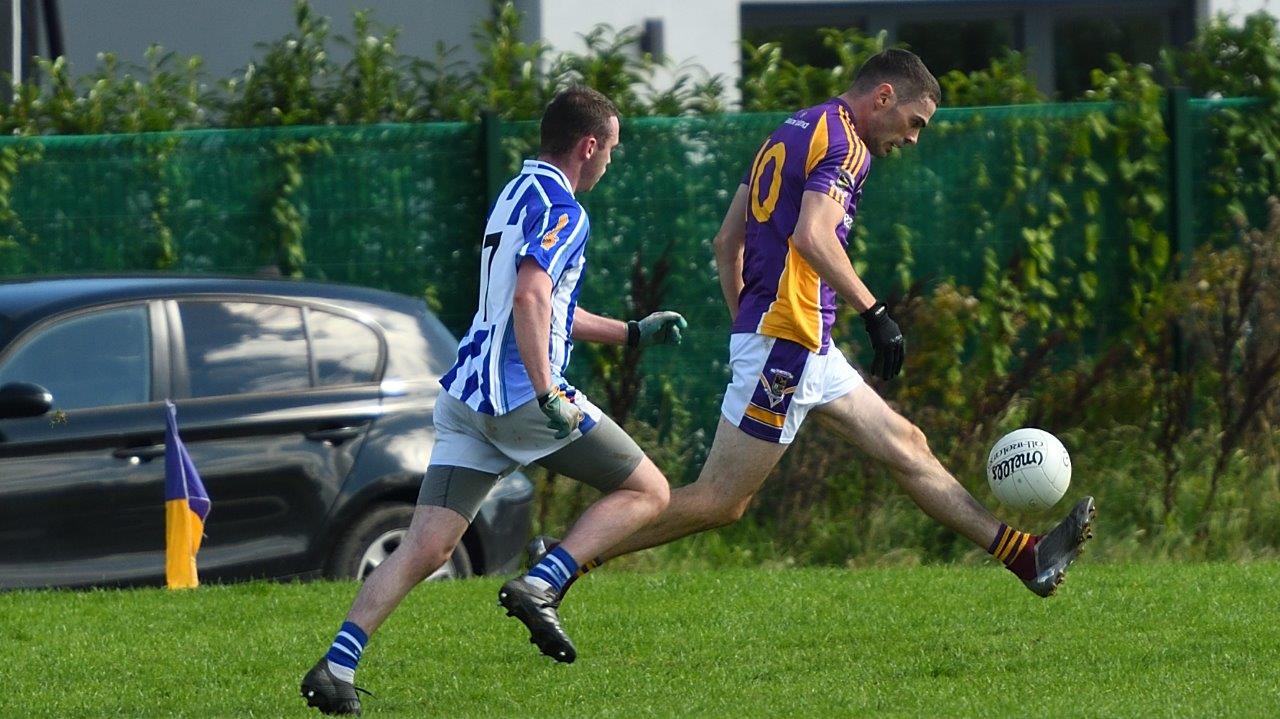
{"points": [[1181, 207]]}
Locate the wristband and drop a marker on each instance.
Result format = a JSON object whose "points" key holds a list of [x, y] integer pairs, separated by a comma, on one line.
{"points": [[633, 334]]}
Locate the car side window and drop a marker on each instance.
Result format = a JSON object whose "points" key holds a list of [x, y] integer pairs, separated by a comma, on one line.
{"points": [[100, 359], [345, 351], [242, 347]]}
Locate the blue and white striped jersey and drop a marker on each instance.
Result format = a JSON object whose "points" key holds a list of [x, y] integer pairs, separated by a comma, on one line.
{"points": [[535, 216]]}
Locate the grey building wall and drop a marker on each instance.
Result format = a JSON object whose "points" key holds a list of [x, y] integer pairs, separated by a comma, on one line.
{"points": [[225, 32], [703, 32]]}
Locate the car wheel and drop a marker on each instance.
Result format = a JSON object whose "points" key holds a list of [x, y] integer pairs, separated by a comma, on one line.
{"points": [[375, 536]]}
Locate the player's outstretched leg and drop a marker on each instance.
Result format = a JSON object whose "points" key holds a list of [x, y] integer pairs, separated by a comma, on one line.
{"points": [[534, 598], [863, 418]]}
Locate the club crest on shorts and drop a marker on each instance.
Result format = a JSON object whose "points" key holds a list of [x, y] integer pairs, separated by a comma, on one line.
{"points": [[778, 386]]}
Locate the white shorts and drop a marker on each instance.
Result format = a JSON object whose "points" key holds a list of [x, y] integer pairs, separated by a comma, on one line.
{"points": [[499, 444], [776, 382]]}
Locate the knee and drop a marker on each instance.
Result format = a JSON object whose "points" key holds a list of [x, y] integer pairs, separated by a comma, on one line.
{"points": [[912, 447], [917, 442], [658, 492], [724, 511], [426, 556], [652, 486]]}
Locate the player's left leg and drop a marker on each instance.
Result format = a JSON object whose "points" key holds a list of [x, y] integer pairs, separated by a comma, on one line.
{"points": [[464, 467], [635, 491], [866, 421], [1040, 561], [433, 533]]}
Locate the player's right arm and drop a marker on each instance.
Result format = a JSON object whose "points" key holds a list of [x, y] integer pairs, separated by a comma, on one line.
{"points": [[531, 311], [541, 258], [548, 236], [728, 245], [815, 239]]}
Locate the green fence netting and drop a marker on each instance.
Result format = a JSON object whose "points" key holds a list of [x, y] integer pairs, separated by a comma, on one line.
{"points": [[395, 207], [1213, 169], [402, 207]]}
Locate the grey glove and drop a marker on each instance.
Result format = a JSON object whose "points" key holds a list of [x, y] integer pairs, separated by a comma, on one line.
{"points": [[563, 414], [659, 328]]}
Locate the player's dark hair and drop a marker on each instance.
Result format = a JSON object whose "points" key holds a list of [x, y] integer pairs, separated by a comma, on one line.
{"points": [[904, 70], [573, 114]]}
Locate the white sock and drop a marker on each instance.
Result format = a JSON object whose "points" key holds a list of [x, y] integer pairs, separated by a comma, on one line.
{"points": [[346, 674], [537, 582]]}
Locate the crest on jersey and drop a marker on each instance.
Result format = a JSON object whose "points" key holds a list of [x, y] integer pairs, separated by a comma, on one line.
{"points": [[777, 386], [845, 180], [550, 239]]}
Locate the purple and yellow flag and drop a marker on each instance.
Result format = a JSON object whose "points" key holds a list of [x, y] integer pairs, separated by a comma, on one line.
{"points": [[185, 508]]}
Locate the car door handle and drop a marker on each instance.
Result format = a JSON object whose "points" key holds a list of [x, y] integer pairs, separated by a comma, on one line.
{"points": [[337, 435], [141, 454]]}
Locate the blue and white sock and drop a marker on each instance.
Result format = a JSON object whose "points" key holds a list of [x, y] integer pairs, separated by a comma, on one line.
{"points": [[345, 652], [553, 571]]}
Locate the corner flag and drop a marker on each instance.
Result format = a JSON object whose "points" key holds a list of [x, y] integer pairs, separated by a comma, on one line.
{"points": [[185, 508]]}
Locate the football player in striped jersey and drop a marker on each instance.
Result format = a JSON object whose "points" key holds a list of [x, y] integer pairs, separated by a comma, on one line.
{"points": [[507, 402]]}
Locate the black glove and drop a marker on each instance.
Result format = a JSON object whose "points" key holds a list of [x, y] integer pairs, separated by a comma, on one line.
{"points": [[887, 341]]}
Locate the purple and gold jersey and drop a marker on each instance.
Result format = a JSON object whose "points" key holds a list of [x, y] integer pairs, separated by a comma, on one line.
{"points": [[815, 149]]}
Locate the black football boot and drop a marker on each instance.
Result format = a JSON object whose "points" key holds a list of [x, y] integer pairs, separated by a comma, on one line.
{"points": [[1055, 551], [536, 608], [328, 693]]}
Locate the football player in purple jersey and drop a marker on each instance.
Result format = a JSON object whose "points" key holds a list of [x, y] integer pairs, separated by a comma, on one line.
{"points": [[781, 256]]}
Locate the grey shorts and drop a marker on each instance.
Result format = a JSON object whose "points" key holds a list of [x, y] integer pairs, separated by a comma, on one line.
{"points": [[473, 450]]}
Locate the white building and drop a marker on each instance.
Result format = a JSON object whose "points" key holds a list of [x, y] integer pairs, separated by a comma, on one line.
{"points": [[1062, 38]]}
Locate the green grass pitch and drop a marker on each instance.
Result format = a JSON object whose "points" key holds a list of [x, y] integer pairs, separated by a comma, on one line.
{"points": [[1120, 640]]}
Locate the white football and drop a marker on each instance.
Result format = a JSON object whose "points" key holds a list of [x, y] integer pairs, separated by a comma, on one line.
{"points": [[1029, 470]]}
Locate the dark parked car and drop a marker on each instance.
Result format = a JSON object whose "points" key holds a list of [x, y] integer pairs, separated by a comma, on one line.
{"points": [[305, 406]]}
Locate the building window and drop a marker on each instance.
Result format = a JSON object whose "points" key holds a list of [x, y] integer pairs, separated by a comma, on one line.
{"points": [[1083, 43], [796, 27], [964, 45]]}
